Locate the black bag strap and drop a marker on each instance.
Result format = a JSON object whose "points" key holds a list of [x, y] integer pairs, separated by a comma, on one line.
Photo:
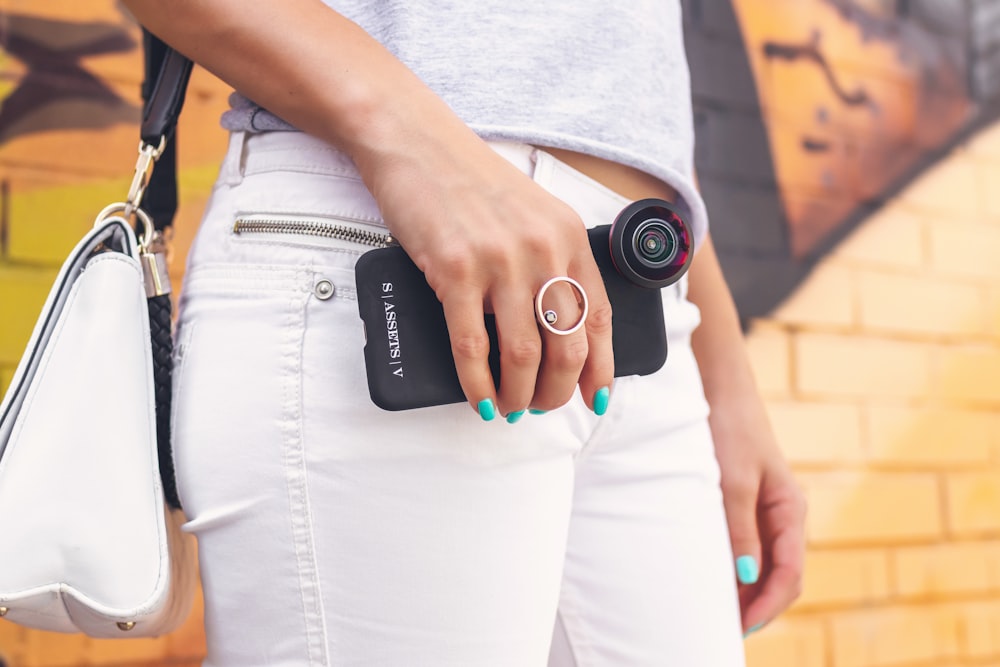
{"points": [[163, 90], [164, 84]]}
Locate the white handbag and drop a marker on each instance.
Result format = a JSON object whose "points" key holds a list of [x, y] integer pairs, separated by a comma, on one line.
{"points": [[87, 543], [90, 537]]}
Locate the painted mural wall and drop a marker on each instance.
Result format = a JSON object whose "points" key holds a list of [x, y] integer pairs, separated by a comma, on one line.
{"points": [[70, 73], [850, 154], [812, 112]]}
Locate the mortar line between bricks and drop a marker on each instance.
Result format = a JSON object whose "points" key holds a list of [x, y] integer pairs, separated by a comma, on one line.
{"points": [[909, 400], [888, 604], [876, 543], [866, 466], [880, 335], [923, 273]]}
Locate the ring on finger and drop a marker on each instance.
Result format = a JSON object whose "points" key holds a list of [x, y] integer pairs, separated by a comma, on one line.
{"points": [[548, 317]]}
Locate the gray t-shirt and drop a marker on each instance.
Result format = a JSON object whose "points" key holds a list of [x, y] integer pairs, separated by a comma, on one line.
{"points": [[609, 79]]}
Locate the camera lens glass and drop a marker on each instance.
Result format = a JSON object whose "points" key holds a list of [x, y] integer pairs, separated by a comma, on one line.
{"points": [[655, 243], [651, 245]]}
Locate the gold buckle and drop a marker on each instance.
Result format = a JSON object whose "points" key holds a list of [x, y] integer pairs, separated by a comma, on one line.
{"points": [[148, 155]]}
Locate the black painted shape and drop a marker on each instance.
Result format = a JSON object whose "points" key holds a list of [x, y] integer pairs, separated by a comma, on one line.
{"points": [[51, 51], [811, 145], [812, 53], [734, 163], [984, 50]]}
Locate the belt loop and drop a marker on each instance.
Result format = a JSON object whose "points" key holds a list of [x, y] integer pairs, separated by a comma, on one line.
{"points": [[544, 167], [232, 165]]}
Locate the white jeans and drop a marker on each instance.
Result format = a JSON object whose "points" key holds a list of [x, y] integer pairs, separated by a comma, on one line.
{"points": [[333, 533]]}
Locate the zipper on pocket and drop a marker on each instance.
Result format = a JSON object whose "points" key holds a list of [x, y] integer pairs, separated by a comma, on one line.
{"points": [[319, 227]]}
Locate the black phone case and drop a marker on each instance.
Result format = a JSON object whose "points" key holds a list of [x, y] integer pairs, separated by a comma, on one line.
{"points": [[407, 350]]}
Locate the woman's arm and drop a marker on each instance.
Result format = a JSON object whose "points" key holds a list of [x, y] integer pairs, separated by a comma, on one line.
{"points": [[764, 506], [483, 233]]}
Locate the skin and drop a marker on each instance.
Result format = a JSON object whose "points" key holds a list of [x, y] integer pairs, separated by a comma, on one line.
{"points": [[487, 238], [765, 508]]}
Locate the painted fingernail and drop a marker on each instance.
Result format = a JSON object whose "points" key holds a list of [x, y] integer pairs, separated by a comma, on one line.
{"points": [[752, 630], [533, 411], [487, 410], [515, 417], [601, 399], [746, 570]]}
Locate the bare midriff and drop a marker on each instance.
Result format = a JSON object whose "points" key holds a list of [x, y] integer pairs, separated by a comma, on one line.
{"points": [[626, 181]]}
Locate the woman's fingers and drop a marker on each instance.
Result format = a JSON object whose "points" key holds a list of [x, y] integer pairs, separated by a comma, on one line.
{"points": [[564, 355], [599, 368], [538, 367], [782, 530], [740, 499], [470, 346], [509, 239], [520, 347], [782, 583]]}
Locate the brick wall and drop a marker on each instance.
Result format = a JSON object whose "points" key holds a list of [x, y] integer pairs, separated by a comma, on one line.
{"points": [[882, 376]]}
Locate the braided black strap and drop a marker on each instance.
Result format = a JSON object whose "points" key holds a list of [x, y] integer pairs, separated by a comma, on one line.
{"points": [[163, 88], [159, 329]]}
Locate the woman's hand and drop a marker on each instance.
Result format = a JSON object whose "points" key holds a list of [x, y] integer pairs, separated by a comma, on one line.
{"points": [[765, 508], [486, 236]]}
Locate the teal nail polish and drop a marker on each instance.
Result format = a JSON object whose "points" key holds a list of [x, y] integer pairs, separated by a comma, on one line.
{"points": [[533, 411], [487, 410], [515, 417], [752, 630], [601, 399], [746, 570]]}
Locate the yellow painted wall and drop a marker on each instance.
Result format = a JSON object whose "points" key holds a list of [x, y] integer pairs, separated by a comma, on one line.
{"points": [[882, 375]]}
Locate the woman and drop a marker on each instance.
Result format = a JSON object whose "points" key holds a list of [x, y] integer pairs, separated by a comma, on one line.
{"points": [[481, 135]]}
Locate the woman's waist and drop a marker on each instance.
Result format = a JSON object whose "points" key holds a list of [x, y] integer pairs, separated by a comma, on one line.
{"points": [[289, 198], [596, 188], [627, 181]]}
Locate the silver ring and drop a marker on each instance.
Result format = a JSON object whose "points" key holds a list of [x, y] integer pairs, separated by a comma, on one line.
{"points": [[548, 318]]}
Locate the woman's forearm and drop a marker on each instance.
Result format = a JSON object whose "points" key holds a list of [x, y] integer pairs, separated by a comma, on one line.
{"points": [[718, 343], [304, 62], [481, 230]]}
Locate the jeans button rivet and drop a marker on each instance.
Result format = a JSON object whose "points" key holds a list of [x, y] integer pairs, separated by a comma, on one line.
{"points": [[324, 290]]}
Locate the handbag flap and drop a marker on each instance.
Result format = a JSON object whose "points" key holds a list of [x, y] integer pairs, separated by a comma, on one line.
{"points": [[115, 232]]}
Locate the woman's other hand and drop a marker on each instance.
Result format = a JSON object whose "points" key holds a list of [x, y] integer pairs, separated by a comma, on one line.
{"points": [[765, 508]]}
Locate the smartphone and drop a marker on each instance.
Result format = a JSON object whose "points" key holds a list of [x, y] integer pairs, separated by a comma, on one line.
{"points": [[407, 351]]}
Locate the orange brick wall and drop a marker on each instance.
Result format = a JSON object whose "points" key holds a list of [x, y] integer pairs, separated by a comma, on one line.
{"points": [[882, 375]]}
